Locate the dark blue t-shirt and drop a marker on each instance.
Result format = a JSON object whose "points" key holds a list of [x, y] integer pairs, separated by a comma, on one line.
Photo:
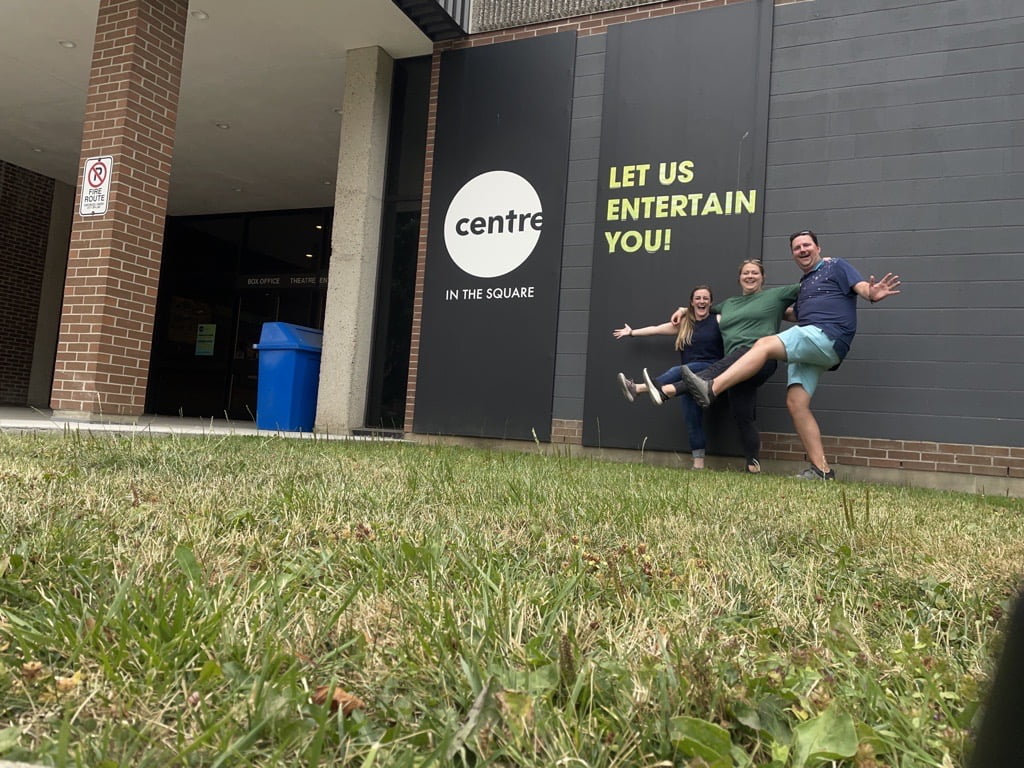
{"points": [[827, 300], [706, 344]]}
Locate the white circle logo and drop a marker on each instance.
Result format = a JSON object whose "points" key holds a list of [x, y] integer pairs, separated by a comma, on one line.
{"points": [[493, 224]]}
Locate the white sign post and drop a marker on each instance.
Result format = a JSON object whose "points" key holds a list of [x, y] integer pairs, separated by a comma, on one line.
{"points": [[96, 186]]}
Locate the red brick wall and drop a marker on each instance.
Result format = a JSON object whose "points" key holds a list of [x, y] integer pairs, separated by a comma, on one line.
{"points": [[879, 453], [25, 199], [114, 260]]}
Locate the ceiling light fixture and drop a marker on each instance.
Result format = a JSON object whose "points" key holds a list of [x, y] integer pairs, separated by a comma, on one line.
{"points": [[67, 43], [37, 149], [222, 125], [200, 15], [309, 255]]}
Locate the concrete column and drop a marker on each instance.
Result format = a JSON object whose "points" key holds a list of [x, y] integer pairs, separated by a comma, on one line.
{"points": [[355, 242], [106, 325]]}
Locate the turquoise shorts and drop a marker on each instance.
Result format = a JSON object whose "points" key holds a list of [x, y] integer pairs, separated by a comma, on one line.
{"points": [[809, 352]]}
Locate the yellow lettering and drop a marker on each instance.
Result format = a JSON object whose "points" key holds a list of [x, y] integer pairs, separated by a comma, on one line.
{"points": [[747, 203], [712, 205]]}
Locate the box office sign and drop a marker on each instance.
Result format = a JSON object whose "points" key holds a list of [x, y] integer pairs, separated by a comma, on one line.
{"points": [[490, 301], [684, 133]]}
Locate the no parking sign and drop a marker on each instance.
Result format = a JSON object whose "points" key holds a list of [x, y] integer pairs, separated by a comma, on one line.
{"points": [[96, 186]]}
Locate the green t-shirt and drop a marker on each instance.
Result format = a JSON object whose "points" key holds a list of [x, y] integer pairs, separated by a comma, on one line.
{"points": [[745, 319]]}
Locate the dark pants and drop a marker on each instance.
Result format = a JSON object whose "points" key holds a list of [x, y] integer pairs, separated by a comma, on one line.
{"points": [[743, 400], [692, 412]]}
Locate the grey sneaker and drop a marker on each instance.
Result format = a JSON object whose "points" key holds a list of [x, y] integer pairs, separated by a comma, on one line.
{"points": [[627, 386], [653, 389], [813, 473], [699, 389]]}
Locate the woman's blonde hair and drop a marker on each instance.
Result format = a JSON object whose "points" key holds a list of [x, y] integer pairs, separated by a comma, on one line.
{"points": [[689, 322]]}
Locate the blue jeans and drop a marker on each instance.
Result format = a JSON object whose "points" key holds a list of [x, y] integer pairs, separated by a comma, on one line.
{"points": [[693, 413]]}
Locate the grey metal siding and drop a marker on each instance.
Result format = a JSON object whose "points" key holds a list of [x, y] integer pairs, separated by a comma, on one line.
{"points": [[896, 133]]}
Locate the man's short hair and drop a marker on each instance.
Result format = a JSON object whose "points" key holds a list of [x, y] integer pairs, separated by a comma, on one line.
{"points": [[795, 235]]}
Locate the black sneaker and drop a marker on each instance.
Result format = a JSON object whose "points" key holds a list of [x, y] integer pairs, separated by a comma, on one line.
{"points": [[652, 389], [627, 386], [813, 473], [699, 389], [749, 471]]}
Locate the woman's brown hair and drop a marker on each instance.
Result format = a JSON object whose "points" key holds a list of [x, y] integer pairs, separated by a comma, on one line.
{"points": [[689, 322]]}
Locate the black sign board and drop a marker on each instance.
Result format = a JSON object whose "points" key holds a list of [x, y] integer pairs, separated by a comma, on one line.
{"points": [[680, 200], [497, 201]]}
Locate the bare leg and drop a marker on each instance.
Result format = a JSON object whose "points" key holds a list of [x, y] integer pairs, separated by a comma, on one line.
{"points": [[768, 348], [799, 404]]}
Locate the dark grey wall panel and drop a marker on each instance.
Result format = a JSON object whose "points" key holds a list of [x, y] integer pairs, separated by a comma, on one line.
{"points": [[991, 213], [958, 349], [921, 66], [897, 133], [885, 137], [895, 44], [963, 189], [581, 194], [918, 92], [899, 168]]}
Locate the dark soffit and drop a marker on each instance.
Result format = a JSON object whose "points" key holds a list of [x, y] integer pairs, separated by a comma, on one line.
{"points": [[444, 20]]}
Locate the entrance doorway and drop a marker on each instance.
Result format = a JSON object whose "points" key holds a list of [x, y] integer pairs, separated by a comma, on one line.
{"points": [[222, 278]]}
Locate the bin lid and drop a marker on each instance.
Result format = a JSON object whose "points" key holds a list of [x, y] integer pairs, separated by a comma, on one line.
{"points": [[290, 336]]}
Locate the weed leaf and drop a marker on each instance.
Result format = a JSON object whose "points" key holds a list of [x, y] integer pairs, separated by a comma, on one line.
{"points": [[476, 718], [699, 738], [188, 564], [829, 736]]}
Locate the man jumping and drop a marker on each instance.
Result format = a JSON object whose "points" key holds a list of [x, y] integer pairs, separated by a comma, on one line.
{"points": [[826, 313]]}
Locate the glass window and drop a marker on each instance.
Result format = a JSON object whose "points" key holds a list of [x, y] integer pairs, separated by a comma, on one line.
{"points": [[285, 243]]}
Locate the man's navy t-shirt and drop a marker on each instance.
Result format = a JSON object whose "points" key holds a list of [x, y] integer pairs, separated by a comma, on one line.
{"points": [[827, 300]]}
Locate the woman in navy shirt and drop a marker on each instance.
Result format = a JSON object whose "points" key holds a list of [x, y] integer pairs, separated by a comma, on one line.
{"points": [[699, 344]]}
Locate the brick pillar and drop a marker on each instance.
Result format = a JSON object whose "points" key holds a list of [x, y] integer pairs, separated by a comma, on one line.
{"points": [[114, 261]]}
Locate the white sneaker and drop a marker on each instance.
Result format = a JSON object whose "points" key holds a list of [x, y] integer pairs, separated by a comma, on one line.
{"points": [[652, 389]]}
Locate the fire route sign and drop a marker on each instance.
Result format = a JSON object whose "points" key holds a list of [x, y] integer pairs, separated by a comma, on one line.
{"points": [[96, 186]]}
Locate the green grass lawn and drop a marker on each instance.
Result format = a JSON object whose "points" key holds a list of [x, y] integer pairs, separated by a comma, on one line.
{"points": [[174, 601]]}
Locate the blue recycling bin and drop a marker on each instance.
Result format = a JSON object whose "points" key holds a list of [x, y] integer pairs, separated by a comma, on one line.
{"points": [[289, 374]]}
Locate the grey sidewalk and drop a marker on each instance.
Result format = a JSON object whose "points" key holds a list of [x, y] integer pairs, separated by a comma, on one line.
{"points": [[36, 420]]}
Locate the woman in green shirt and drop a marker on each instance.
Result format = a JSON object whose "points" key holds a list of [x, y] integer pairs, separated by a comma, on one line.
{"points": [[742, 319]]}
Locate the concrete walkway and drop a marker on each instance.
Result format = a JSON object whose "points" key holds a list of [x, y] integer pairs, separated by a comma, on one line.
{"points": [[37, 420]]}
